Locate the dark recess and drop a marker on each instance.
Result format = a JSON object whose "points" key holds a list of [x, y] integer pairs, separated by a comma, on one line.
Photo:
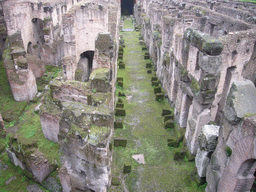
{"points": [[127, 7]]}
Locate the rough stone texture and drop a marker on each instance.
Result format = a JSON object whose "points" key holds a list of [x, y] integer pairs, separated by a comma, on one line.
{"points": [[240, 101], [204, 42], [202, 160], [2, 127], [208, 138]]}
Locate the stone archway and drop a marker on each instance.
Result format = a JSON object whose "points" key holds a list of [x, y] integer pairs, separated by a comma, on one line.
{"points": [[84, 66]]}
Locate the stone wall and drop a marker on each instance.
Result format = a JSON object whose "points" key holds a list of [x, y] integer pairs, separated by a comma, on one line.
{"points": [[76, 110], [199, 49]]}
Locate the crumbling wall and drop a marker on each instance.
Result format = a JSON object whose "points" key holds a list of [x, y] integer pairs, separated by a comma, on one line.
{"points": [[199, 49]]}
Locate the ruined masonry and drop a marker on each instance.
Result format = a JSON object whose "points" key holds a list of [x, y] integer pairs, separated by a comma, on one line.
{"points": [[204, 53], [76, 110]]}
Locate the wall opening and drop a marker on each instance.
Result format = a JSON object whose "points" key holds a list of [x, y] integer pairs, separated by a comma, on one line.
{"points": [[246, 175], [38, 32], [127, 7], [29, 48], [84, 66]]}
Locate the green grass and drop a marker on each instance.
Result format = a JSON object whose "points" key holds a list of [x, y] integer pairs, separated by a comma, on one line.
{"points": [[145, 133], [9, 108], [20, 183], [128, 23], [249, 1]]}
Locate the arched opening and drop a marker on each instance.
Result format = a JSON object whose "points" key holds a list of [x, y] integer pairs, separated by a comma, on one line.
{"points": [[29, 48], [84, 66], [38, 32], [246, 175], [127, 7]]}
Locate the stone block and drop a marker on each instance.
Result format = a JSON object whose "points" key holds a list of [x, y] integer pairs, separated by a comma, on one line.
{"points": [[127, 168], [121, 66], [120, 57], [202, 161], [119, 105], [154, 79], [119, 79], [241, 101], [168, 117], [166, 112], [121, 54], [119, 101], [148, 65], [169, 124], [100, 80], [120, 94], [204, 42], [208, 138], [155, 83], [157, 90], [120, 112], [210, 64], [17, 52], [1, 123], [118, 125], [22, 62], [173, 143], [208, 83], [159, 96], [144, 48], [120, 84], [120, 142]]}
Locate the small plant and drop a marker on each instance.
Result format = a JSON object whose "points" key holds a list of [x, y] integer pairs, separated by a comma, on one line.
{"points": [[228, 151], [94, 90]]}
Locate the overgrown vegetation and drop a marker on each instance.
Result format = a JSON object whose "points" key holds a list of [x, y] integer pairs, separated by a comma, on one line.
{"points": [[29, 134], [145, 133]]}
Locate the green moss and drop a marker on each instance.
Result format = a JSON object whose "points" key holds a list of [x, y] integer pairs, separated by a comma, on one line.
{"points": [[228, 151], [144, 132], [30, 135], [194, 86], [46, 31]]}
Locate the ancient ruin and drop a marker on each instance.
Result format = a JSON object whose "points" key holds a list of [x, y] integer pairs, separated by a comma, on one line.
{"points": [[92, 100]]}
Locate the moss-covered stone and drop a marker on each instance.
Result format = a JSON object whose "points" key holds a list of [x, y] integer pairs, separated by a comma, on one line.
{"points": [[122, 142], [166, 112], [119, 79], [120, 57], [118, 125], [120, 84], [119, 105], [159, 96], [155, 83], [120, 101], [127, 168], [120, 112], [179, 154], [146, 57], [144, 48], [46, 31], [168, 117], [169, 124], [148, 65], [173, 143], [120, 94], [22, 62], [157, 90], [149, 71], [121, 66], [154, 79]]}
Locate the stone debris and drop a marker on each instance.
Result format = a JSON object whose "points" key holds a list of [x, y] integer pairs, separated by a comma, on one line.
{"points": [[139, 158]]}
